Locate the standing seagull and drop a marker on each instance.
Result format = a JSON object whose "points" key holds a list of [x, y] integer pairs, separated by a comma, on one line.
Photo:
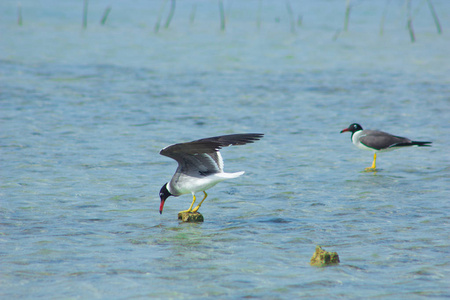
{"points": [[379, 141], [200, 165]]}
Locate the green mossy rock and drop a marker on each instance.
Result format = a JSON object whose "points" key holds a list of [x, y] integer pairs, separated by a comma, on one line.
{"points": [[322, 258], [194, 217]]}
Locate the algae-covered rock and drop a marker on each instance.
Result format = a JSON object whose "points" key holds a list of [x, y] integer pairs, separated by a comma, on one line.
{"points": [[323, 258], [190, 217]]}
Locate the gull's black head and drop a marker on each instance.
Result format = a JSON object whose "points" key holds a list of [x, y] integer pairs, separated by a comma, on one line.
{"points": [[352, 128], [163, 194]]}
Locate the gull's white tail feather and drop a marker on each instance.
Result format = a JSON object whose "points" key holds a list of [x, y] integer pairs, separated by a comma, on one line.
{"points": [[230, 175]]}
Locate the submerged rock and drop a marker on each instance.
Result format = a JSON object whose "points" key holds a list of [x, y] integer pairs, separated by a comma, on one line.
{"points": [[190, 217], [323, 258]]}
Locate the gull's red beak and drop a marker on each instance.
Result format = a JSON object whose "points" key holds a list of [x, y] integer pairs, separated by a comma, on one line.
{"points": [[161, 206], [344, 130]]}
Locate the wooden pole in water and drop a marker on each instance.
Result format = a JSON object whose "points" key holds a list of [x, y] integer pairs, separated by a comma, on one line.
{"points": [[435, 17], [347, 15], [409, 22], [192, 15], [222, 15], [258, 16], [291, 15], [300, 20], [105, 15], [383, 17], [158, 22], [171, 13], [85, 11], [19, 14]]}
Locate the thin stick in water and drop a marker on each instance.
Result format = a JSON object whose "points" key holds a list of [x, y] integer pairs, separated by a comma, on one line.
{"points": [[299, 20], [409, 22], [435, 17], [192, 15], [347, 14], [383, 17], [105, 15], [258, 16], [291, 15], [158, 22], [85, 12], [222, 15], [336, 34], [19, 14], [171, 13]]}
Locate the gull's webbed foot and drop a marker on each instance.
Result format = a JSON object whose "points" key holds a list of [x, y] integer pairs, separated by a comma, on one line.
{"points": [[370, 169], [200, 204], [190, 207], [373, 167]]}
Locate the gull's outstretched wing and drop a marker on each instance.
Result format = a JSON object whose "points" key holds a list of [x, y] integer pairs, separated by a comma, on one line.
{"points": [[203, 156]]}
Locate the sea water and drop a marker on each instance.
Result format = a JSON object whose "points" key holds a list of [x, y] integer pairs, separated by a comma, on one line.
{"points": [[85, 111]]}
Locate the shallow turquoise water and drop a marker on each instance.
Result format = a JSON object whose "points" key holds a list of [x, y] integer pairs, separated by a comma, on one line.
{"points": [[84, 114]]}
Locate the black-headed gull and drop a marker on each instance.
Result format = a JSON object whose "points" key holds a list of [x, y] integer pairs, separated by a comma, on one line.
{"points": [[378, 141], [200, 166]]}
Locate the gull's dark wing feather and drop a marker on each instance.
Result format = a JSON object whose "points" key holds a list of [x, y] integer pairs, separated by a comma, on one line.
{"points": [[382, 140], [202, 156], [209, 145]]}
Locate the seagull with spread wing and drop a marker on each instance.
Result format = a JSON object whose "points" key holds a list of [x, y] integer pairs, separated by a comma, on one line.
{"points": [[200, 166]]}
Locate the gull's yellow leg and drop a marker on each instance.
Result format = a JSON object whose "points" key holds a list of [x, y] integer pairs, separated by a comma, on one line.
{"points": [[192, 204], [373, 167], [200, 204]]}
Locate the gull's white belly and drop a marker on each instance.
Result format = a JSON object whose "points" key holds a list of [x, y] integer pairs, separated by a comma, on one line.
{"points": [[194, 184], [188, 184]]}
